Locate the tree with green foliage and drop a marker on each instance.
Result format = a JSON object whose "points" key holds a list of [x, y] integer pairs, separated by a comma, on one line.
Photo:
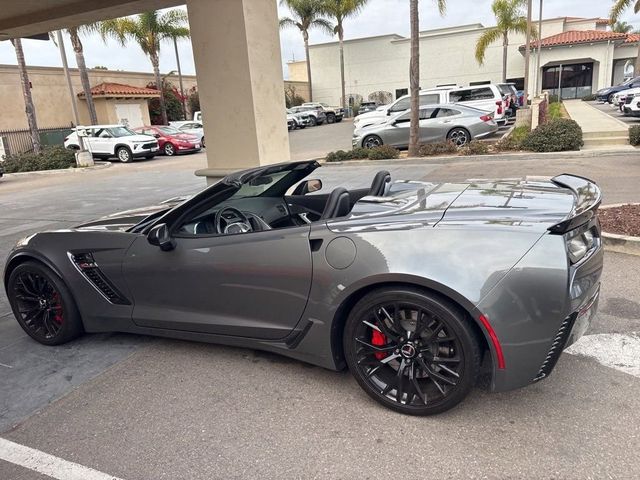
{"points": [[510, 18], [619, 6], [340, 10], [148, 30], [622, 27], [306, 14]]}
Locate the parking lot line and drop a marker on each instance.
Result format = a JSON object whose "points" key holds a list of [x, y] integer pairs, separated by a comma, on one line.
{"points": [[46, 464]]}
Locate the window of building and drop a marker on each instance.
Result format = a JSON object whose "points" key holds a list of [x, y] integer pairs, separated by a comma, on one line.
{"points": [[574, 80], [401, 92]]}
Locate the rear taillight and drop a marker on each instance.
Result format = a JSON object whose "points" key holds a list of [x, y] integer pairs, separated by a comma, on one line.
{"points": [[499, 104], [486, 118]]}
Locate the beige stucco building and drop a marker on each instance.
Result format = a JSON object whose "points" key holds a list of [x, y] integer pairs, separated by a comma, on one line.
{"points": [[592, 57]]}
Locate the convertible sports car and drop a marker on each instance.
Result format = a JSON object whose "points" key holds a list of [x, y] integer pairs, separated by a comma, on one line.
{"points": [[419, 288]]}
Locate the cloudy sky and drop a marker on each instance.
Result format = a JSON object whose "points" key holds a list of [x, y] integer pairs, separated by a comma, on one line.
{"points": [[379, 17]]}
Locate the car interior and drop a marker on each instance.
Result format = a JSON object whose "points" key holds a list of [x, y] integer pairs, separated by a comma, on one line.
{"points": [[270, 209]]}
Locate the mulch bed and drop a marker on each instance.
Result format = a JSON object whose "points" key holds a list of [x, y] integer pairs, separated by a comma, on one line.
{"points": [[624, 220]]}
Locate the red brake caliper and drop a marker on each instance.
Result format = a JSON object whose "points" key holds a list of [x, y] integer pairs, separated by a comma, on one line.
{"points": [[57, 308], [378, 339]]}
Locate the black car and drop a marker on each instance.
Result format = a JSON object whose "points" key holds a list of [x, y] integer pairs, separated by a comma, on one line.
{"points": [[367, 107], [606, 94]]}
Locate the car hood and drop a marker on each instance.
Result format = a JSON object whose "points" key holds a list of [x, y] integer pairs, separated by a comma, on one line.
{"points": [[531, 203]]}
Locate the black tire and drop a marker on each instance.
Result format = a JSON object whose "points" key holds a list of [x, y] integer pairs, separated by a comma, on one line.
{"points": [[459, 136], [169, 149], [313, 121], [372, 141], [202, 143], [439, 360], [63, 322], [331, 118], [124, 154], [610, 98]]}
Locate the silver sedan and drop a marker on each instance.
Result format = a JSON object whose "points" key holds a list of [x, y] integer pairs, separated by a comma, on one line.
{"points": [[438, 123]]}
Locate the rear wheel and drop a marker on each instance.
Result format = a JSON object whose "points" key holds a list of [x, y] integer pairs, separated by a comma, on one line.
{"points": [[124, 154], [169, 149], [372, 141], [331, 118], [459, 136], [411, 351], [43, 305]]}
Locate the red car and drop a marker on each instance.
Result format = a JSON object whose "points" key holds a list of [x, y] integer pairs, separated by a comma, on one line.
{"points": [[171, 140]]}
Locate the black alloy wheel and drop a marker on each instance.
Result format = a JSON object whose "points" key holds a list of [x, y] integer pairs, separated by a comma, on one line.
{"points": [[43, 305], [372, 141], [411, 351], [169, 149]]}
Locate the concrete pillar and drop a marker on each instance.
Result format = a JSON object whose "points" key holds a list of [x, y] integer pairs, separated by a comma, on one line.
{"points": [[236, 48]]}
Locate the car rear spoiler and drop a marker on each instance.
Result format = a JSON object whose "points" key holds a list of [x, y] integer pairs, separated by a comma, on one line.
{"points": [[587, 200]]}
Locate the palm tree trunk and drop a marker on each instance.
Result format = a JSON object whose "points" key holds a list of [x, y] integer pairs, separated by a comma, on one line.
{"points": [[29, 109], [305, 35], [155, 61], [505, 53], [341, 40], [84, 75], [414, 80]]}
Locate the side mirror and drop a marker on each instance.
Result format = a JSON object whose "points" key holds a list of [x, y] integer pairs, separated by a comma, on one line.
{"points": [[309, 186], [160, 237]]}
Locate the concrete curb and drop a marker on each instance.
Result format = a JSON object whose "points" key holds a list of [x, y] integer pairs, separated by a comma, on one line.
{"points": [[502, 157], [620, 243], [97, 166]]}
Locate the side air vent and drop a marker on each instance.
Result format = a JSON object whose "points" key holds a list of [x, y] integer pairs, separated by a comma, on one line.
{"points": [[88, 267], [557, 346]]}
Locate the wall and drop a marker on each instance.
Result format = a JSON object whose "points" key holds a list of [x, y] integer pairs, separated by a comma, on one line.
{"points": [[297, 71]]}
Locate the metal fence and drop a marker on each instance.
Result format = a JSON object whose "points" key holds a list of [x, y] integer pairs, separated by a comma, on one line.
{"points": [[19, 141]]}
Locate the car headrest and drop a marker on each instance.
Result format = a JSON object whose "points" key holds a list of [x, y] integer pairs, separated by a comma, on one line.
{"points": [[338, 204], [380, 184]]}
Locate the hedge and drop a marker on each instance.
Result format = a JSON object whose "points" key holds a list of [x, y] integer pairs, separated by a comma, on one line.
{"points": [[634, 135], [50, 158], [560, 134]]}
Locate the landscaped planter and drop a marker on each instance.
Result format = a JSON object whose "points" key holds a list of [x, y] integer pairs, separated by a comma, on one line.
{"points": [[624, 220]]}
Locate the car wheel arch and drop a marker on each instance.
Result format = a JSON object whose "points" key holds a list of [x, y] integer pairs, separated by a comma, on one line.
{"points": [[22, 257], [419, 284]]}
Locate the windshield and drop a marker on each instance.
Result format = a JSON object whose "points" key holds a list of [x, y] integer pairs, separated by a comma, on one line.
{"points": [[121, 131], [169, 130], [260, 184]]}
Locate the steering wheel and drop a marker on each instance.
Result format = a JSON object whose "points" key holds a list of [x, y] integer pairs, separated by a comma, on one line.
{"points": [[239, 223]]}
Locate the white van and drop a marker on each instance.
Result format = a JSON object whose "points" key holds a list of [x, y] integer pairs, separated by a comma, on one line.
{"points": [[484, 97], [429, 96]]}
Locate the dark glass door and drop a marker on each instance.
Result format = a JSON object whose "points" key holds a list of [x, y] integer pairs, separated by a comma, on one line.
{"points": [[574, 80]]}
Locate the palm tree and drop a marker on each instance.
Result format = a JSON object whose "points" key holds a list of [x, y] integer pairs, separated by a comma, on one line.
{"points": [[76, 43], [414, 73], [341, 10], [510, 19], [26, 94], [622, 27], [619, 6], [148, 30], [306, 15]]}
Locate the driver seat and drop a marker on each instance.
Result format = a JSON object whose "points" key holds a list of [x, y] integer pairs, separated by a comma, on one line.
{"points": [[380, 184], [338, 204]]}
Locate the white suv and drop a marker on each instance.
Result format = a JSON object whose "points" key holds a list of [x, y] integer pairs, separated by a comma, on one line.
{"points": [[106, 141], [631, 104], [483, 97]]}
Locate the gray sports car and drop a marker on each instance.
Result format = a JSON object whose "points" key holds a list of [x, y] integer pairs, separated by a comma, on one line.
{"points": [[419, 288]]}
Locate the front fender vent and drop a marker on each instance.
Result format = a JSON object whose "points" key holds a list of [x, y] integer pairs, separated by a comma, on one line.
{"points": [[88, 267]]}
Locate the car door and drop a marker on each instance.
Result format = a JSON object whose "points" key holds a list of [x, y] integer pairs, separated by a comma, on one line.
{"points": [[248, 284], [428, 128], [396, 131], [102, 142]]}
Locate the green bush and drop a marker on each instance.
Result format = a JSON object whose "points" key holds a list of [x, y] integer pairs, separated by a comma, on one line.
{"points": [[634, 135], [560, 134], [514, 140], [589, 98], [429, 149], [475, 148], [50, 158], [383, 152], [377, 153]]}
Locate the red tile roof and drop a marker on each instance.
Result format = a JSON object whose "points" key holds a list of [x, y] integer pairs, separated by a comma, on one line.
{"points": [[108, 89], [581, 36], [632, 38]]}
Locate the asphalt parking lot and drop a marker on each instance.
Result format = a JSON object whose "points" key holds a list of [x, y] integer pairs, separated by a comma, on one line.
{"points": [[616, 113], [145, 408]]}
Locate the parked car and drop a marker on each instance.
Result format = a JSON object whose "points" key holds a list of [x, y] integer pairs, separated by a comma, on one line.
{"points": [[333, 114], [107, 141], [297, 120], [606, 94], [430, 96], [510, 96], [193, 128], [316, 114], [438, 123], [367, 107], [484, 97], [416, 286], [171, 140], [632, 104]]}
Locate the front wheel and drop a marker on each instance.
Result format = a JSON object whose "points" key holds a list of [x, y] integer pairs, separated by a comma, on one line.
{"points": [[459, 137], [372, 141], [331, 118], [169, 149], [411, 351], [313, 121], [43, 305], [124, 154]]}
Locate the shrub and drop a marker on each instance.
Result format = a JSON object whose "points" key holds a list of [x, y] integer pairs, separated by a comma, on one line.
{"points": [[429, 149], [50, 158], [634, 135], [589, 98], [475, 148], [358, 153], [383, 152], [558, 135]]}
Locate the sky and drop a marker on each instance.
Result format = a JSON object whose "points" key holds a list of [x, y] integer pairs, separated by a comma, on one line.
{"points": [[379, 17]]}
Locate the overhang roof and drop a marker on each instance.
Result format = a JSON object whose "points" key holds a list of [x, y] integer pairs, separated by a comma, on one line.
{"points": [[119, 90], [574, 37]]}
